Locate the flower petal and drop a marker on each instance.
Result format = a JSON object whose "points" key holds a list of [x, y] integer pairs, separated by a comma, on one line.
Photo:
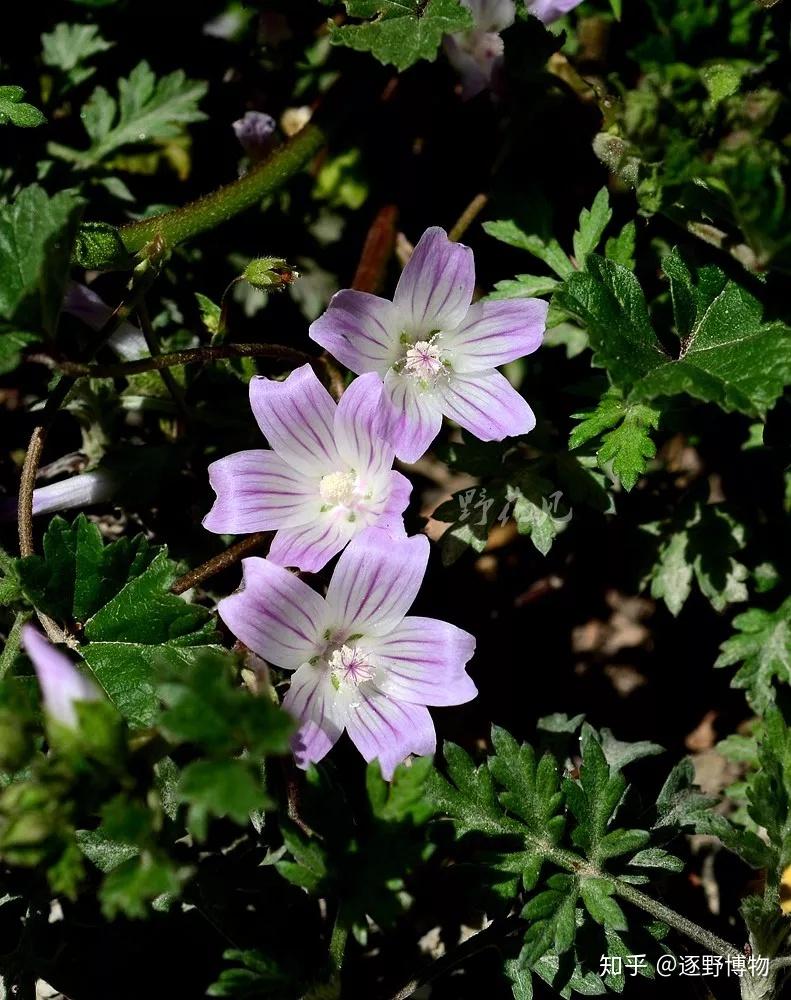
{"points": [[412, 416], [375, 582], [297, 416], [486, 405], [83, 303], [422, 661], [361, 330], [435, 288], [496, 332], [275, 614], [359, 426], [389, 730], [257, 491], [310, 547], [391, 518], [492, 15], [311, 701], [549, 11], [61, 683]]}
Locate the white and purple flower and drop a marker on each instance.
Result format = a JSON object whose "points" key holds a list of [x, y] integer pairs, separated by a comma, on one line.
{"points": [[328, 476], [359, 664], [477, 54], [435, 352], [62, 685]]}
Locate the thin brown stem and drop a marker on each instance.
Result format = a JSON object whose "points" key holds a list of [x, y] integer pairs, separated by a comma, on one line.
{"points": [[468, 216], [77, 369], [220, 562]]}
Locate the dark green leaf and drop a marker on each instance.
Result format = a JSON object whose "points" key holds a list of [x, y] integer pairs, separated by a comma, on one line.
{"points": [[401, 32]]}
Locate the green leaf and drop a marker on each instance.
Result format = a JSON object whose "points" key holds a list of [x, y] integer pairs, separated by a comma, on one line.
{"points": [[403, 797], [207, 708], [592, 223], [402, 31], [133, 885], [621, 248], [723, 79], [524, 286], [763, 647], [608, 300], [36, 236], [624, 428], [15, 111], [142, 628], [78, 573], [69, 46], [210, 313], [12, 346], [699, 544], [549, 250], [99, 247], [148, 110], [468, 796], [553, 918], [728, 355], [597, 895], [220, 788]]}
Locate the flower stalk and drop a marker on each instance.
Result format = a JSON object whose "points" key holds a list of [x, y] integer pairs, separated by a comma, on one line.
{"points": [[172, 228]]}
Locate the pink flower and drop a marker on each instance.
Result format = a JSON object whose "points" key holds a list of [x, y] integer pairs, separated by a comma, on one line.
{"points": [[359, 664], [328, 476], [476, 55], [435, 352], [62, 685]]}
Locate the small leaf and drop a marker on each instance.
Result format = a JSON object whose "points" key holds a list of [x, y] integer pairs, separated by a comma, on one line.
{"points": [[549, 251], [593, 222], [15, 111], [401, 32], [763, 647]]}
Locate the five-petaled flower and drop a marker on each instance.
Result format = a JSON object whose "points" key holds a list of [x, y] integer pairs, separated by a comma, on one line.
{"points": [[435, 352], [328, 476], [359, 663], [477, 54], [62, 685]]}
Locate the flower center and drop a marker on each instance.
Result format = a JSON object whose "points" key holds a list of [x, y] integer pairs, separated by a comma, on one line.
{"points": [[423, 361], [349, 667], [339, 489]]}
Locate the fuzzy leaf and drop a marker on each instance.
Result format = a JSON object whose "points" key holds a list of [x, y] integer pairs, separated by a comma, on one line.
{"points": [[549, 250], [626, 445], [699, 544], [763, 647], [401, 32], [36, 236], [147, 110], [728, 355], [15, 111], [593, 222]]}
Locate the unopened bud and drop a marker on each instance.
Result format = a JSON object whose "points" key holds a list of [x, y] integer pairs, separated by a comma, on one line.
{"points": [[268, 273]]}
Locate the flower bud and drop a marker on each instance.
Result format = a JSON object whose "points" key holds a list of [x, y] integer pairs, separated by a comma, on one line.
{"points": [[62, 685], [268, 273]]}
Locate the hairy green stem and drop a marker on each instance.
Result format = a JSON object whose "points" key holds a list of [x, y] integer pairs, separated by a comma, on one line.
{"points": [[172, 228], [711, 942]]}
